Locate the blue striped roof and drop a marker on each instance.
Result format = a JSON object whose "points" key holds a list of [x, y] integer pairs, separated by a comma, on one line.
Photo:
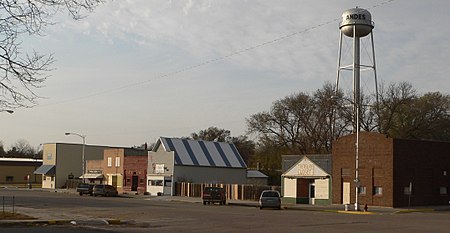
{"points": [[202, 153]]}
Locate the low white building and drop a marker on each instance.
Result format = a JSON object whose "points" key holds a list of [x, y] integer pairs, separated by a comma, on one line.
{"points": [[182, 160], [308, 181]]}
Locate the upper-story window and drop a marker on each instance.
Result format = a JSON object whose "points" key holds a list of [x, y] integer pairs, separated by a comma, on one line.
{"points": [[117, 161], [109, 162], [49, 156]]}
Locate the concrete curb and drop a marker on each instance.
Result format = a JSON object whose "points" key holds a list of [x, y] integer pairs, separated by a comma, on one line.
{"points": [[33, 222], [61, 222]]}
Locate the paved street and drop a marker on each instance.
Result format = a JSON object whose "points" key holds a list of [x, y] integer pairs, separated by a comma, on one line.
{"points": [[167, 214]]}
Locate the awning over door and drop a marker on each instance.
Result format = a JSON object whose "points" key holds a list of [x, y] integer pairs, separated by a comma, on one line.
{"points": [[46, 170], [91, 176]]}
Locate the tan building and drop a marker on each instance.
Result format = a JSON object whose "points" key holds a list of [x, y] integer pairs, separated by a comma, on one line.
{"points": [[62, 161], [19, 171]]}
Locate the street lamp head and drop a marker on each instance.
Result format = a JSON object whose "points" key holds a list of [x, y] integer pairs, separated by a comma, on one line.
{"points": [[7, 110], [67, 133]]}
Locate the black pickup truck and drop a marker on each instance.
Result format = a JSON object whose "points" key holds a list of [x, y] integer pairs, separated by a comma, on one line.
{"points": [[85, 189]]}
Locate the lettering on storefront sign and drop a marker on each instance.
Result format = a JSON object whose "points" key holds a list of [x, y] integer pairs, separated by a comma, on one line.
{"points": [[94, 171], [159, 168], [306, 169]]}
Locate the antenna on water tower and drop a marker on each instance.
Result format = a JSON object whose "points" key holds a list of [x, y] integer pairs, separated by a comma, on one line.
{"points": [[356, 23]]}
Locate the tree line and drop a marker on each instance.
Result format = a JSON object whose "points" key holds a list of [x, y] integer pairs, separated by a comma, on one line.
{"points": [[20, 149], [303, 123]]}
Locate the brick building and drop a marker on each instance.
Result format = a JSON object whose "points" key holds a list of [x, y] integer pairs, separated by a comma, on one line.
{"points": [[123, 168], [389, 169]]}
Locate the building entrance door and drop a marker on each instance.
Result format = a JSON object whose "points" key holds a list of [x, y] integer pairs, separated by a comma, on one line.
{"points": [[312, 193], [346, 193], [134, 183], [114, 181]]}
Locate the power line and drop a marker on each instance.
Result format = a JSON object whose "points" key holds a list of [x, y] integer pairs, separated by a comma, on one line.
{"points": [[201, 64]]}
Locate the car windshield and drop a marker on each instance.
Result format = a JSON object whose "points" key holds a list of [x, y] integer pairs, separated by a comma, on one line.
{"points": [[270, 194]]}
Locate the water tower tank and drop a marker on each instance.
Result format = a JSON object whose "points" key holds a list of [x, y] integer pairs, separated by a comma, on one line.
{"points": [[357, 18]]}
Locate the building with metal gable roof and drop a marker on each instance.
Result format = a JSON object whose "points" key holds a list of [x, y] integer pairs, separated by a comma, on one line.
{"points": [[183, 160]]}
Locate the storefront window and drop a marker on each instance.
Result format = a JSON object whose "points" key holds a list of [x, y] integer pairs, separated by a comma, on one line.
{"points": [[443, 190], [155, 182], [168, 183]]}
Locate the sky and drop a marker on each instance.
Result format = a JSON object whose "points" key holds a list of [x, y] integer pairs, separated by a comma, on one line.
{"points": [[135, 70]]}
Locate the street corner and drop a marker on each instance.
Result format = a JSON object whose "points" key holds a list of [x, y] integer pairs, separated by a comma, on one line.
{"points": [[354, 212]]}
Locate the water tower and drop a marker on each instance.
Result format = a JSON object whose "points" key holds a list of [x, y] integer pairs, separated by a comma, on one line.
{"points": [[356, 23]]}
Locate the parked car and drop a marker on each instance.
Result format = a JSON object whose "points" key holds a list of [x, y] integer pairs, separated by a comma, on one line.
{"points": [[84, 188], [214, 194], [270, 198], [104, 190]]}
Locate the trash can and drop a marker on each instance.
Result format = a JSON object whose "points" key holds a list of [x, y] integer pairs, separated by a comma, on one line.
{"points": [[29, 186], [346, 207]]}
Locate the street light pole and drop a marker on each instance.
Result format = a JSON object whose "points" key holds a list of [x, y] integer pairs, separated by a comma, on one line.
{"points": [[357, 108], [83, 161]]}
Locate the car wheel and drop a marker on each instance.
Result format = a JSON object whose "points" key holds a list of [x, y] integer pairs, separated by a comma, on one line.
{"points": [[81, 194], [204, 203], [260, 207]]}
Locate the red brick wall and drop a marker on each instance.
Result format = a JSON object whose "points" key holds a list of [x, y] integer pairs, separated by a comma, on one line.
{"points": [[137, 165], [375, 168], [392, 164]]}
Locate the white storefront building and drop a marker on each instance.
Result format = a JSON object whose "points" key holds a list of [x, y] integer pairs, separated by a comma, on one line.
{"points": [[306, 183]]}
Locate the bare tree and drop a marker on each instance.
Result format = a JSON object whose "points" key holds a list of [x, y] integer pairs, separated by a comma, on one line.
{"points": [[405, 114], [302, 123], [2, 150], [21, 148], [212, 134], [22, 73], [393, 100]]}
